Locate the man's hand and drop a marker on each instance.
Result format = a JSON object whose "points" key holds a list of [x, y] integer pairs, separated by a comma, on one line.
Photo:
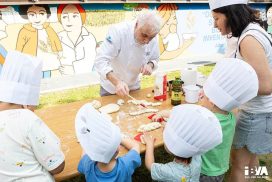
{"points": [[147, 69], [122, 88]]}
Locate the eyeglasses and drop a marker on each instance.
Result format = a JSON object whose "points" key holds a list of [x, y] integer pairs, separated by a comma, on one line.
{"points": [[145, 36]]}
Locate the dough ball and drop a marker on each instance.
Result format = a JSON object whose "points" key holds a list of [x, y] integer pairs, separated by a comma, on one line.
{"points": [[120, 102], [96, 104]]}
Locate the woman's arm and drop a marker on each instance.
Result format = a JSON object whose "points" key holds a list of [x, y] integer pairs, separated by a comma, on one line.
{"points": [[253, 53]]}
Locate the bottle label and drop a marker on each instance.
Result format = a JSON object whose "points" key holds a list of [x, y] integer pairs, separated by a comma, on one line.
{"points": [[176, 96]]}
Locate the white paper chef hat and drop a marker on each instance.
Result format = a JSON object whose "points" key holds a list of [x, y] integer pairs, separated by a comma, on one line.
{"points": [[191, 130], [20, 79], [214, 4], [98, 136], [232, 83]]}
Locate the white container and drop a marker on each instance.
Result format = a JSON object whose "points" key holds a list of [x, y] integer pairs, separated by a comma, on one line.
{"points": [[191, 93], [160, 87], [201, 79], [189, 76]]}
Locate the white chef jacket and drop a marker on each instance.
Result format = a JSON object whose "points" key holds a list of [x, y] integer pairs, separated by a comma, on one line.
{"points": [[125, 57]]}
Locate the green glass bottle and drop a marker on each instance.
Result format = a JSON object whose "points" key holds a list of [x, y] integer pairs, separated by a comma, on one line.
{"points": [[176, 91]]}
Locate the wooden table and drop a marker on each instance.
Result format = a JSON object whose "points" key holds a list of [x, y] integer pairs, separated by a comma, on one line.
{"points": [[61, 120]]}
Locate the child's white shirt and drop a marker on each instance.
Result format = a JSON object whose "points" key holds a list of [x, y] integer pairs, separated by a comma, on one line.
{"points": [[29, 149]]}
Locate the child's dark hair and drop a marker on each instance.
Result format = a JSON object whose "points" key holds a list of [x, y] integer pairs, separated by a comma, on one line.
{"points": [[239, 16], [24, 8], [185, 160]]}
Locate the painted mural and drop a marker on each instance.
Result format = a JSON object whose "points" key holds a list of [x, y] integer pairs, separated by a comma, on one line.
{"points": [[268, 19], [66, 37], [78, 44], [38, 38], [171, 44]]}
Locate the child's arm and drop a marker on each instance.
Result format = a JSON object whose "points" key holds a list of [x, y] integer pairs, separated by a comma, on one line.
{"points": [[45, 146], [149, 153], [161, 114], [132, 159], [130, 144], [59, 169]]}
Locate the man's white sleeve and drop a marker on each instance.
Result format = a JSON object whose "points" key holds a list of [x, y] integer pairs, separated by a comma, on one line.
{"points": [[109, 49], [155, 53]]}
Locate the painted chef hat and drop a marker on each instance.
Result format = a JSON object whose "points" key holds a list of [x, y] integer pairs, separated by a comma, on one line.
{"points": [[232, 83], [20, 79], [191, 130], [98, 136], [214, 4]]}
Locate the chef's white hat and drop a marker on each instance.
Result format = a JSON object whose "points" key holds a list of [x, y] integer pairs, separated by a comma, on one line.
{"points": [[98, 136], [214, 4], [191, 130], [232, 83], [20, 79]]}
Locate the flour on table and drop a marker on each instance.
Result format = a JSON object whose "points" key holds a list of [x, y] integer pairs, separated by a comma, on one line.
{"points": [[107, 116]]}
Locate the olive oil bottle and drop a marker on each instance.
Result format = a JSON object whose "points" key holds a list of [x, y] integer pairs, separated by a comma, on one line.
{"points": [[176, 91]]}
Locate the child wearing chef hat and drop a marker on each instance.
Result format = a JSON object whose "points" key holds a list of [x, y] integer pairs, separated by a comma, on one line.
{"points": [[252, 133], [190, 131], [29, 149], [232, 83], [100, 139]]}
